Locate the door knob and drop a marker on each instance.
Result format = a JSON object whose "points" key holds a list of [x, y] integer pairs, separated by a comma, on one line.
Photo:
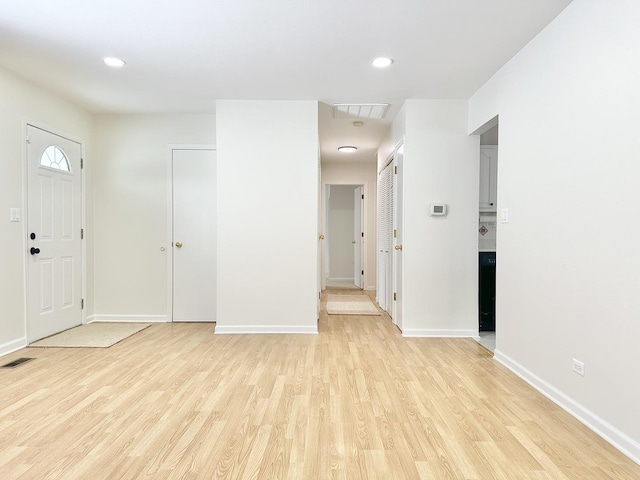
{"points": [[179, 244], [321, 237], [398, 247], [34, 251]]}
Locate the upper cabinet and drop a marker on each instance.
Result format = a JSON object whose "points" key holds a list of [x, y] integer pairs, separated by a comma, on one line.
{"points": [[488, 178]]}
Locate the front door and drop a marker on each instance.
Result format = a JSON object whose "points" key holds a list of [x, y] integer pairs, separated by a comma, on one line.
{"points": [[194, 235], [54, 244]]}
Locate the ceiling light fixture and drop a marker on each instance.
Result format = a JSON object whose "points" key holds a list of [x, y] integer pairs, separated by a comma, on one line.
{"points": [[347, 149], [114, 62], [358, 123], [382, 62]]}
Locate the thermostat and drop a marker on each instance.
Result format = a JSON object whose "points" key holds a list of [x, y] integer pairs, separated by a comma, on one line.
{"points": [[437, 209]]}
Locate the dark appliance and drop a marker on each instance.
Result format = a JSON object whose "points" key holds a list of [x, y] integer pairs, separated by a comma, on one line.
{"points": [[487, 291]]}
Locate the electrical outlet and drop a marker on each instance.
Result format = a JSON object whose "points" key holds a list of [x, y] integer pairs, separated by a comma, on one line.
{"points": [[578, 367]]}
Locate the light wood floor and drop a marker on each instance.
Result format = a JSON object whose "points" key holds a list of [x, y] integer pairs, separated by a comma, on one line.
{"points": [[356, 401]]}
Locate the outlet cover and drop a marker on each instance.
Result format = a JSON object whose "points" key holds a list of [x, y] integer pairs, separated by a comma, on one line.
{"points": [[578, 367]]}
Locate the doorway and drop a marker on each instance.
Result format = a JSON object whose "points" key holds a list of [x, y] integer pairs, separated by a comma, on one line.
{"points": [[344, 234], [193, 235], [54, 233]]}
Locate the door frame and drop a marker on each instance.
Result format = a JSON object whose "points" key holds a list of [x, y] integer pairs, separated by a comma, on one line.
{"points": [[324, 211], [26, 121], [168, 248]]}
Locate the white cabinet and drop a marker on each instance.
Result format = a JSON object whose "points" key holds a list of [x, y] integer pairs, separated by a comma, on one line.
{"points": [[488, 178]]}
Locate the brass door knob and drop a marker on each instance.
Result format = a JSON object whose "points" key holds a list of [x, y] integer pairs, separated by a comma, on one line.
{"points": [[321, 237], [398, 247], [179, 244]]}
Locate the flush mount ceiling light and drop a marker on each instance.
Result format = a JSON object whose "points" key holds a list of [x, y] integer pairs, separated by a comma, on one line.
{"points": [[358, 123], [347, 149], [114, 62], [382, 62]]}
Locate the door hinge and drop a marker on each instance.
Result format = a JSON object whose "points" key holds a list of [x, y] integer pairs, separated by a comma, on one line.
{"points": [[394, 296], [395, 170], [81, 163], [363, 196], [395, 233], [82, 304], [28, 140], [82, 234], [361, 272], [362, 234]]}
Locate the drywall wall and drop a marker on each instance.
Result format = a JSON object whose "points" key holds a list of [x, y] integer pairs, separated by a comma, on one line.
{"points": [[358, 173], [267, 216], [21, 101], [341, 231], [131, 203], [567, 276], [440, 253]]}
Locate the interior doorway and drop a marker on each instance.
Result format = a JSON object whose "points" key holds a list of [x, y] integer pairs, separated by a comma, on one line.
{"points": [[344, 236]]}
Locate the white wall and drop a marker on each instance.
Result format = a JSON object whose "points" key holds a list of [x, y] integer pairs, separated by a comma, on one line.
{"points": [[341, 223], [357, 173], [21, 101], [267, 216], [130, 209], [568, 278], [440, 253]]}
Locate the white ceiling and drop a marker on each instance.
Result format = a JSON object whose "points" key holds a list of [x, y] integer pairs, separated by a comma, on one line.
{"points": [[182, 55]]}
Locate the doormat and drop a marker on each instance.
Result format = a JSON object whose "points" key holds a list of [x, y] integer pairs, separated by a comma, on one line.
{"points": [[351, 305], [92, 335]]}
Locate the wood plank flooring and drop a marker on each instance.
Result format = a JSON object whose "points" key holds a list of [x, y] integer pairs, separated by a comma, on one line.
{"points": [[357, 401]]}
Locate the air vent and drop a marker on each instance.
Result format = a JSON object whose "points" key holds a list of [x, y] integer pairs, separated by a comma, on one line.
{"points": [[364, 111], [17, 362]]}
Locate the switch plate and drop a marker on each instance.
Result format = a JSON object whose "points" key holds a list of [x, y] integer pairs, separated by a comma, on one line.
{"points": [[504, 215], [14, 214]]}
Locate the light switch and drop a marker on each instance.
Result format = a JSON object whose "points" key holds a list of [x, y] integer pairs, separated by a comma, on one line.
{"points": [[14, 214], [504, 215]]}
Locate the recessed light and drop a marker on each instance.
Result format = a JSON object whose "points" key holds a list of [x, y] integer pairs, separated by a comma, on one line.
{"points": [[114, 62], [347, 149], [382, 62], [358, 123]]}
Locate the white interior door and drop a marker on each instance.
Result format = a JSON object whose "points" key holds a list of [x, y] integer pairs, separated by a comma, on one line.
{"points": [[397, 233], [384, 288], [54, 222], [358, 238], [194, 235]]}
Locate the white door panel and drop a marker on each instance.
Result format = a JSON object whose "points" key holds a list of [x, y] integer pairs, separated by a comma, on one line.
{"points": [[358, 239], [194, 235], [54, 217]]}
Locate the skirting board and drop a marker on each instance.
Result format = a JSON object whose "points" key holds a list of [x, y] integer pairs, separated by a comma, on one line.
{"points": [[435, 332], [611, 434], [128, 318], [12, 346], [265, 329]]}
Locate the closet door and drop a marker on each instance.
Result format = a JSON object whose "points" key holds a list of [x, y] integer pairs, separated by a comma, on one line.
{"points": [[385, 238]]}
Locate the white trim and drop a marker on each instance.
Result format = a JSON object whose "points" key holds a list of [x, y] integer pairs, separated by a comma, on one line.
{"points": [[265, 329], [437, 333], [331, 279], [128, 318], [12, 346], [169, 246], [370, 288], [611, 434]]}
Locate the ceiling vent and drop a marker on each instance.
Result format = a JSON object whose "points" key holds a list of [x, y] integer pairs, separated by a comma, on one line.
{"points": [[364, 111]]}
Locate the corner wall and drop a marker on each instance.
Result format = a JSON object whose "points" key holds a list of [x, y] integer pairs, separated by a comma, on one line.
{"points": [[267, 216], [567, 273], [21, 101]]}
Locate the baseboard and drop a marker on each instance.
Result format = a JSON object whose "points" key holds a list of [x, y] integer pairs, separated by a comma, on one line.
{"points": [[436, 332], [265, 329], [128, 318], [12, 346], [611, 434], [350, 279], [370, 288]]}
